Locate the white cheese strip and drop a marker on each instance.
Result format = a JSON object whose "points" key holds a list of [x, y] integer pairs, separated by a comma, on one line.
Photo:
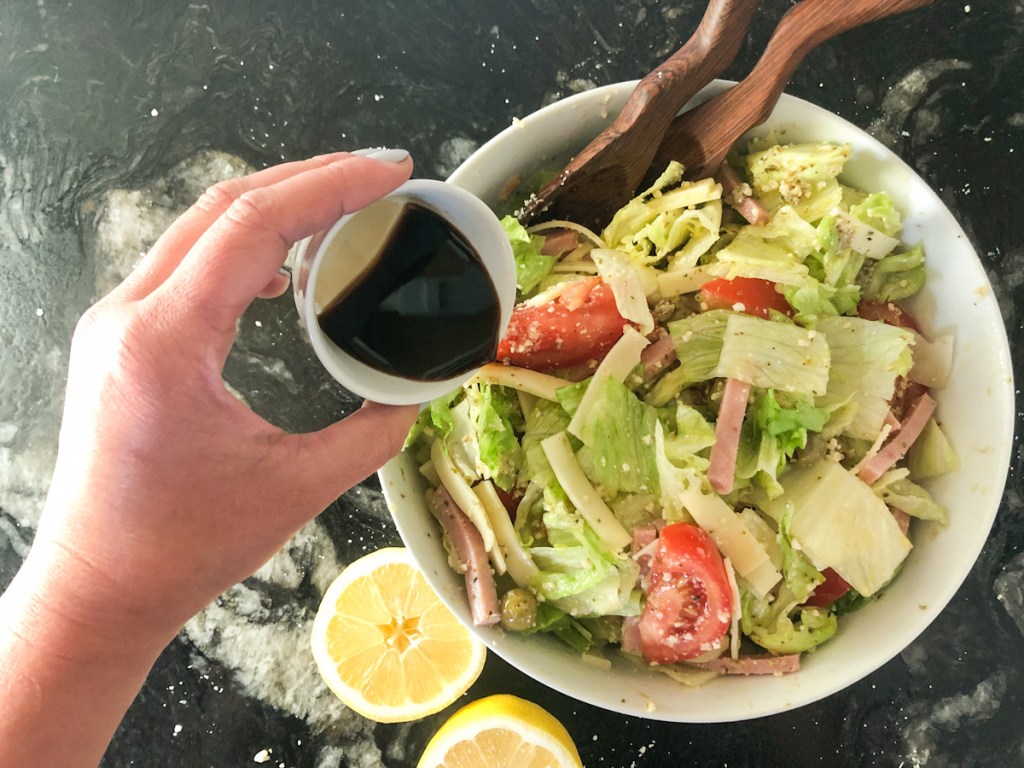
{"points": [[733, 538], [461, 493], [521, 379], [678, 282], [582, 494], [518, 562], [620, 360], [737, 610]]}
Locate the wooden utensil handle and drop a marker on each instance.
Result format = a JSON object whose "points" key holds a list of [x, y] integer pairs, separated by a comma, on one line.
{"points": [[702, 137], [804, 27], [711, 48]]}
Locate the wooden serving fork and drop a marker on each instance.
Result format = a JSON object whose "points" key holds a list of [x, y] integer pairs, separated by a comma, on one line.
{"points": [[701, 137], [605, 174]]}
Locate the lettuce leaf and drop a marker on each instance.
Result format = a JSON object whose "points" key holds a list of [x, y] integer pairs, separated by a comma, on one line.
{"points": [[812, 627], [866, 358], [772, 434], [877, 210], [913, 499], [774, 355], [618, 440], [532, 266], [496, 417], [896, 276], [579, 575]]}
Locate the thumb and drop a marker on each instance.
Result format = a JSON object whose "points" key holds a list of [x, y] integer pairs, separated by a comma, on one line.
{"points": [[331, 461]]}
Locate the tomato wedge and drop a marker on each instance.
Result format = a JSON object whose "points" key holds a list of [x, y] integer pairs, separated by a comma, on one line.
{"points": [[689, 607], [831, 589], [577, 326], [754, 295]]}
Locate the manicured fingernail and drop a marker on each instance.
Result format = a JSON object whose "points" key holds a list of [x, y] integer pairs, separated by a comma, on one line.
{"points": [[383, 155]]}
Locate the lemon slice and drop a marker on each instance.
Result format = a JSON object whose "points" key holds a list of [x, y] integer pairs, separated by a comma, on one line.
{"points": [[501, 732], [387, 646]]}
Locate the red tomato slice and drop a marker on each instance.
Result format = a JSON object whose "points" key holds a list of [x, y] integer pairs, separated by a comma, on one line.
{"points": [[831, 589], [756, 296], [578, 326], [689, 607]]}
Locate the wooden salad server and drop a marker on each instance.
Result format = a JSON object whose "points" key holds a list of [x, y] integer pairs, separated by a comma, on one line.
{"points": [[701, 137], [604, 175]]}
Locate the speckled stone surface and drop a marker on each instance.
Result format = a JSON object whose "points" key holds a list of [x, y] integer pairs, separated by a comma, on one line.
{"points": [[114, 116]]}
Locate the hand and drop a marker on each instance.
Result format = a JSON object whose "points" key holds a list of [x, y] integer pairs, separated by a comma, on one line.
{"points": [[167, 489]]}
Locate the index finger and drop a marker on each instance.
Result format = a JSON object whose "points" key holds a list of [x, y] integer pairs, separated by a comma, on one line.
{"points": [[167, 252], [245, 247]]}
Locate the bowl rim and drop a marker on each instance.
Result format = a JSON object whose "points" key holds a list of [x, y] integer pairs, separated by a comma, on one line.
{"points": [[801, 695]]}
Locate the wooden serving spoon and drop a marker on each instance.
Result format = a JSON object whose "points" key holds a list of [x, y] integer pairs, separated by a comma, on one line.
{"points": [[701, 137], [601, 178]]}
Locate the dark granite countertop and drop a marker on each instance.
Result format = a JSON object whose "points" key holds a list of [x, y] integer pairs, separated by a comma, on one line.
{"points": [[114, 116]]}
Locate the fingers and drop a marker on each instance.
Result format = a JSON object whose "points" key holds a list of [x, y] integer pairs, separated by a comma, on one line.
{"points": [[239, 254], [278, 285], [334, 459], [165, 255]]}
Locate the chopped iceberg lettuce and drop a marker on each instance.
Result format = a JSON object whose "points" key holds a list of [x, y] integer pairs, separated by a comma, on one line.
{"points": [[774, 251], [910, 497], [545, 419], [796, 171], [896, 276], [877, 210], [618, 440], [693, 433], [532, 266], [681, 223], [812, 627], [579, 575], [841, 524], [866, 356], [496, 418], [774, 355], [698, 342], [931, 454], [772, 436]]}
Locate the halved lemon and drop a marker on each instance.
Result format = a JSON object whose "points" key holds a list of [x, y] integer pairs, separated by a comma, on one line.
{"points": [[501, 731], [387, 646]]}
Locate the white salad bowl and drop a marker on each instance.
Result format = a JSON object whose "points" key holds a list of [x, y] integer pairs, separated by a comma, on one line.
{"points": [[976, 409]]}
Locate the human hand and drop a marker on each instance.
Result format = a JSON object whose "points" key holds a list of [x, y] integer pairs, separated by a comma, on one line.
{"points": [[167, 489]]}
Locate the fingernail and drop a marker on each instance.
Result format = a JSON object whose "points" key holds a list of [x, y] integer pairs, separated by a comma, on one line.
{"points": [[383, 155]]}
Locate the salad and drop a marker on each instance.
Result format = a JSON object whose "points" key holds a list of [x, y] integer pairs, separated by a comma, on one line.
{"points": [[704, 436]]}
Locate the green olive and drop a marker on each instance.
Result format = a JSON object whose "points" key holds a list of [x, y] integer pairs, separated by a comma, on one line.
{"points": [[518, 610]]}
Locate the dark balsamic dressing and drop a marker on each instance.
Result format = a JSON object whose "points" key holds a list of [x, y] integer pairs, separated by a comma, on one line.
{"points": [[424, 309]]}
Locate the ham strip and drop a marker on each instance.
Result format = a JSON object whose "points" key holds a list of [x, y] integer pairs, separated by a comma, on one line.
{"points": [[754, 665], [902, 519], [722, 467], [469, 548], [738, 194], [657, 356], [559, 242], [914, 423]]}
